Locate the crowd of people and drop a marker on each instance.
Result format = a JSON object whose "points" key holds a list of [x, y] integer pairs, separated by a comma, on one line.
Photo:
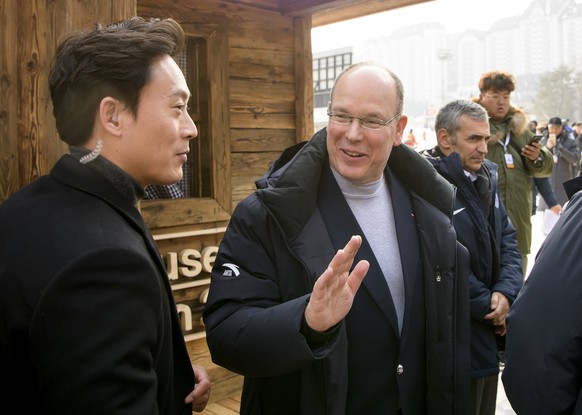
{"points": [[339, 287]]}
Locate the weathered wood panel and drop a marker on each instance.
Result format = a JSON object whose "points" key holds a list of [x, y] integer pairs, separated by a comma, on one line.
{"points": [[164, 213], [29, 143], [303, 78], [9, 154], [35, 125], [253, 140]]}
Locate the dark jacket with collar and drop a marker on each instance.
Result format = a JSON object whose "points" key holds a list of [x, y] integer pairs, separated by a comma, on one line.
{"points": [[88, 324], [493, 267], [279, 241], [543, 370]]}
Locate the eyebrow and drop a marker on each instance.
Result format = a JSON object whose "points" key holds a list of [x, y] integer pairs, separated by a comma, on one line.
{"points": [[181, 93], [343, 111]]}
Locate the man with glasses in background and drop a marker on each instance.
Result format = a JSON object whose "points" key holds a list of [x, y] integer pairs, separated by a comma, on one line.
{"points": [[513, 148], [339, 286]]}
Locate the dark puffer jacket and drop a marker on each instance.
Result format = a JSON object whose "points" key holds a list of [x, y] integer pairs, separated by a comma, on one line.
{"points": [[276, 246]]}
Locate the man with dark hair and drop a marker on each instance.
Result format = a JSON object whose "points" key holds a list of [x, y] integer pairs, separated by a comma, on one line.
{"points": [[482, 226], [511, 147], [565, 153], [88, 324]]}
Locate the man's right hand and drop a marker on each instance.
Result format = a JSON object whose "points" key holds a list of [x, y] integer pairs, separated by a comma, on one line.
{"points": [[334, 291]]}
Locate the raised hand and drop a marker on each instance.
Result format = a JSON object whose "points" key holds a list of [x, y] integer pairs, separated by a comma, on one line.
{"points": [[333, 293]]}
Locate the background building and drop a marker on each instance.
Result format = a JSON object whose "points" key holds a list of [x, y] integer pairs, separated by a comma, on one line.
{"points": [[436, 66]]}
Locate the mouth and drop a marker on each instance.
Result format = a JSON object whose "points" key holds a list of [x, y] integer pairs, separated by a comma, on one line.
{"points": [[352, 154], [183, 156]]}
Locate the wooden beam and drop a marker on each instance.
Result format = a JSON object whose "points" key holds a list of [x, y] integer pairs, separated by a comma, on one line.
{"points": [[325, 12], [303, 79]]}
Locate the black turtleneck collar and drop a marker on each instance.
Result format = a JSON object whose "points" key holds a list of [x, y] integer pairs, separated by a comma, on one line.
{"points": [[122, 181]]}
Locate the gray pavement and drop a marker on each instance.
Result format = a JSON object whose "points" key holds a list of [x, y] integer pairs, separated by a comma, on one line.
{"points": [[503, 405]]}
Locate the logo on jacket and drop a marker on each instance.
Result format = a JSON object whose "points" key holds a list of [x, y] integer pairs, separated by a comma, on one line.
{"points": [[231, 270], [458, 211]]}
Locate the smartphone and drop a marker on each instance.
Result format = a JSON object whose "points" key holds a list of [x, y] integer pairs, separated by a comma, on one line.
{"points": [[536, 138]]}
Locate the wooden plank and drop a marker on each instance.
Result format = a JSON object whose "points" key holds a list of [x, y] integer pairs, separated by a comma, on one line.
{"points": [[252, 164], [264, 73], [261, 57], [10, 176], [242, 186], [35, 158], [324, 12], [255, 140], [205, 10], [255, 104], [254, 35], [164, 213], [303, 79], [278, 95]]}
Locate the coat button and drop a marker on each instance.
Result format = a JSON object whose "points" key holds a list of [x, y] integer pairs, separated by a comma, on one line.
{"points": [[399, 369]]}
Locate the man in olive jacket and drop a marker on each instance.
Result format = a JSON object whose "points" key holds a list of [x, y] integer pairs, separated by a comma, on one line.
{"points": [[512, 149]]}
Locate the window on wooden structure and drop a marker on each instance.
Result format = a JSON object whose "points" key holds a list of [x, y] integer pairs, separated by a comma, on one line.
{"points": [[197, 179], [325, 70]]}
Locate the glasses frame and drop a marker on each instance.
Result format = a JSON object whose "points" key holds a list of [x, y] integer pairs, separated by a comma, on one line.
{"points": [[350, 118], [494, 97]]}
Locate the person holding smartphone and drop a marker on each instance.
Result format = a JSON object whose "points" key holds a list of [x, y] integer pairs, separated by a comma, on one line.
{"points": [[512, 149]]}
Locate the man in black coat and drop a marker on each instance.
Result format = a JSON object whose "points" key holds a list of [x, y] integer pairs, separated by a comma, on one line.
{"points": [[483, 227], [88, 324]]}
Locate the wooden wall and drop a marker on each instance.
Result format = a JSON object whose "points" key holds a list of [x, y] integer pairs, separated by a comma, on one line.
{"points": [[29, 33], [270, 92]]}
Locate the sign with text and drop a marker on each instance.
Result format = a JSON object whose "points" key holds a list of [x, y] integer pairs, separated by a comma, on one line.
{"points": [[189, 257]]}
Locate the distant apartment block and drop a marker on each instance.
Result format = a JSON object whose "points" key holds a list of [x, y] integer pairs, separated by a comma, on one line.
{"points": [[436, 67]]}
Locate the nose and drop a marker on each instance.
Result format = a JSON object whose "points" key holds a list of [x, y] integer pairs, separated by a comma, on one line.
{"points": [[189, 130], [482, 148], [354, 131]]}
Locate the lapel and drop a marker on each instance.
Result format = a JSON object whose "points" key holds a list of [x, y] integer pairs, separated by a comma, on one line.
{"points": [[408, 243], [341, 225], [74, 174]]}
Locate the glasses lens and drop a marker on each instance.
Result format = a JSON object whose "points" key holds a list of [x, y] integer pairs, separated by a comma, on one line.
{"points": [[371, 123], [340, 118]]}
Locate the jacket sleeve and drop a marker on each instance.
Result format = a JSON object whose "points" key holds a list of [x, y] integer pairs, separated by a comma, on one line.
{"points": [[253, 323], [545, 169], [510, 264], [543, 372]]}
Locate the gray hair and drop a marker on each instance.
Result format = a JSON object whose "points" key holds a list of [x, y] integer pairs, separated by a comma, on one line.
{"points": [[449, 116]]}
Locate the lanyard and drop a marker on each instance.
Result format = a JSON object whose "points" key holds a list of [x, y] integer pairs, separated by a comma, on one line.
{"points": [[508, 158], [506, 142]]}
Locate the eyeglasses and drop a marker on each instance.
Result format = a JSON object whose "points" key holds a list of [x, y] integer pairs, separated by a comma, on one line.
{"points": [[497, 97], [366, 122]]}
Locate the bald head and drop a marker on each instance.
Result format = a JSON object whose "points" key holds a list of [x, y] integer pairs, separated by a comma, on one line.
{"points": [[378, 79]]}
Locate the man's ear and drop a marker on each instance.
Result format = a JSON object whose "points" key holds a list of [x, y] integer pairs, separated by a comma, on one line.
{"points": [[109, 110], [444, 141], [400, 126]]}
